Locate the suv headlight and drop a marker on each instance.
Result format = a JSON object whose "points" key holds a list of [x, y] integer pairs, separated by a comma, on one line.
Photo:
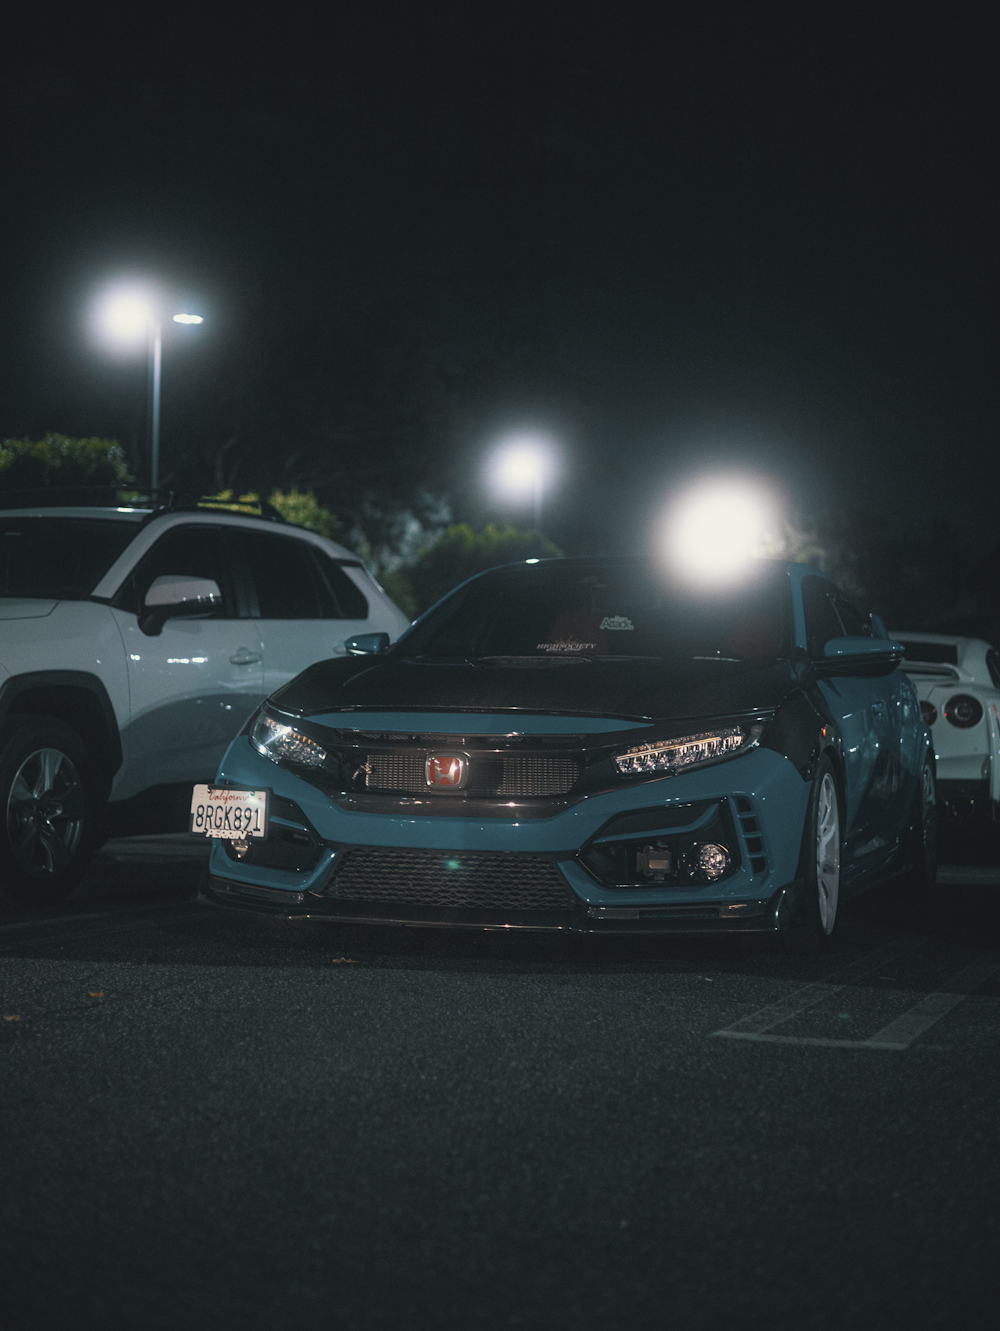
{"points": [[676, 755], [281, 742]]}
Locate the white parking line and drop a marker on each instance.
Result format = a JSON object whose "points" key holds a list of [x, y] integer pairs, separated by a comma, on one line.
{"points": [[800, 999], [968, 875], [905, 1029], [898, 1034]]}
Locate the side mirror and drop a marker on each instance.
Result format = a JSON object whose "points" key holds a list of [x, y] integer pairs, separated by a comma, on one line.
{"points": [[869, 657], [878, 625], [367, 644], [173, 596]]}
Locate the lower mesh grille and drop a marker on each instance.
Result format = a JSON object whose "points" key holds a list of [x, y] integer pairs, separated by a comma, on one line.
{"points": [[282, 848], [508, 775], [451, 878]]}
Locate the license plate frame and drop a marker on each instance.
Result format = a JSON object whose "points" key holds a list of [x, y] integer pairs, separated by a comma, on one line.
{"points": [[230, 813]]}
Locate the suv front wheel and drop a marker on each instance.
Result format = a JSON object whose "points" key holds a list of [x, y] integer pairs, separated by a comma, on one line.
{"points": [[50, 809]]}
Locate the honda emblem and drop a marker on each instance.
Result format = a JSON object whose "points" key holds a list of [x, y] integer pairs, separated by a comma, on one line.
{"points": [[446, 771]]}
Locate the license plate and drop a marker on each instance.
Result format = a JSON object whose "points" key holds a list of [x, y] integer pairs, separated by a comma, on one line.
{"points": [[230, 815]]}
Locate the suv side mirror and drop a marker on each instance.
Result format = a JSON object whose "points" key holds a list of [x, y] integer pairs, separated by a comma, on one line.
{"points": [[859, 656], [367, 644], [173, 596]]}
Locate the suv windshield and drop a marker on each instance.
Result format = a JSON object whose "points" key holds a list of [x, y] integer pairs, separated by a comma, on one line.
{"points": [[59, 558], [607, 609]]}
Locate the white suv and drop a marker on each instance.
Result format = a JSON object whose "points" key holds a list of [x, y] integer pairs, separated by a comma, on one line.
{"points": [[134, 645]]}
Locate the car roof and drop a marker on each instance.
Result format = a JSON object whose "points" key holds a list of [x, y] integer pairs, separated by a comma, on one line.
{"points": [[136, 515]]}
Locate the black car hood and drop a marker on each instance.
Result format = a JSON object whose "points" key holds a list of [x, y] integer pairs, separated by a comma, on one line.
{"points": [[660, 690]]}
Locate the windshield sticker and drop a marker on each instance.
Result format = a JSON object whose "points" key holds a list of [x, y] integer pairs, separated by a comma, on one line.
{"points": [[565, 645], [616, 622]]}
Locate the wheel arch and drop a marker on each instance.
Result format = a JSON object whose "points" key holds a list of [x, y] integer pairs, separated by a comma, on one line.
{"points": [[804, 733], [833, 751], [75, 697]]}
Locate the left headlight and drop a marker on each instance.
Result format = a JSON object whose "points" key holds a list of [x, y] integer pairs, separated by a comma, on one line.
{"points": [[676, 755], [281, 742]]}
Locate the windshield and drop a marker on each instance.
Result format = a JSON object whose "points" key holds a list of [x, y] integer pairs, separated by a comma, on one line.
{"points": [[59, 558], [610, 609]]}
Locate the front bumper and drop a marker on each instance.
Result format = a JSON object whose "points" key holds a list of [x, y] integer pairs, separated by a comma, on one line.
{"points": [[399, 846], [761, 917]]}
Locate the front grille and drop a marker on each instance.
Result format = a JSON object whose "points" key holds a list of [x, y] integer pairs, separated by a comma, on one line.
{"points": [[511, 776], [481, 880]]}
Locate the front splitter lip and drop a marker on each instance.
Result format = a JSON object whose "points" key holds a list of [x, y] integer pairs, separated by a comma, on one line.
{"points": [[585, 920]]}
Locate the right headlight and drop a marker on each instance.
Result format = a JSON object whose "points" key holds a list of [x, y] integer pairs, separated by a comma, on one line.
{"points": [[676, 755], [283, 743]]}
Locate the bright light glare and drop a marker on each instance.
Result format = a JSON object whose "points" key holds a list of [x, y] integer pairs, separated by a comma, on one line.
{"points": [[717, 530], [188, 319], [124, 314], [522, 464], [520, 468]]}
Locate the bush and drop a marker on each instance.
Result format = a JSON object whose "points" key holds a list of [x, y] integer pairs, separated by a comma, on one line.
{"points": [[459, 554], [30, 464], [305, 511], [301, 509]]}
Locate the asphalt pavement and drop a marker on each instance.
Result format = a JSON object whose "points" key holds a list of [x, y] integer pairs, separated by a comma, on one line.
{"points": [[210, 1122]]}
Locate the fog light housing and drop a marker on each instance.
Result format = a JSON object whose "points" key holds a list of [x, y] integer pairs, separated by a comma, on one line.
{"points": [[655, 862], [707, 861]]}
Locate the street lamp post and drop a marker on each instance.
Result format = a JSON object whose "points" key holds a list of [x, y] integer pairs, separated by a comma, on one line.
{"points": [[155, 359], [125, 316]]}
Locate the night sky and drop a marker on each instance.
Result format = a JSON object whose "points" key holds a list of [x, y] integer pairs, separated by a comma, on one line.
{"points": [[674, 238]]}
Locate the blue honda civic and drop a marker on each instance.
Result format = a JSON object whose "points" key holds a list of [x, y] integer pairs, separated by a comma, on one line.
{"points": [[590, 745]]}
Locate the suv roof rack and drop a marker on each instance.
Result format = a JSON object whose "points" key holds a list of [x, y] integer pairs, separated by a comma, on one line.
{"points": [[157, 501]]}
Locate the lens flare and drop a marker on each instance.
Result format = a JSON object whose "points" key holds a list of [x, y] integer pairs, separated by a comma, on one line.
{"points": [[717, 530], [123, 315], [522, 463]]}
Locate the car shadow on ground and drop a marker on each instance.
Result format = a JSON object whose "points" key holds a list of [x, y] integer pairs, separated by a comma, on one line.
{"points": [[129, 876], [971, 844]]}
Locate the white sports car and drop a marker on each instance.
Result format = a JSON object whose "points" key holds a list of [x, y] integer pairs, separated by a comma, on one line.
{"points": [[958, 684]]}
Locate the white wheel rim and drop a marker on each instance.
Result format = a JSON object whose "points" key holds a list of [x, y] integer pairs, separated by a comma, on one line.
{"points": [[828, 852], [45, 813]]}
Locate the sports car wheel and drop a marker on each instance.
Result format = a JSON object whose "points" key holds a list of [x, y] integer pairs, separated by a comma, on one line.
{"points": [[50, 809], [922, 855], [819, 868]]}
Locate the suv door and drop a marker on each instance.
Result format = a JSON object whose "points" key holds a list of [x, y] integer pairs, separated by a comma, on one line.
{"points": [[192, 686], [307, 602]]}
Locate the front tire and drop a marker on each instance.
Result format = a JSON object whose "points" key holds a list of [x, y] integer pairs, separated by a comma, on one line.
{"points": [[816, 917], [50, 809]]}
